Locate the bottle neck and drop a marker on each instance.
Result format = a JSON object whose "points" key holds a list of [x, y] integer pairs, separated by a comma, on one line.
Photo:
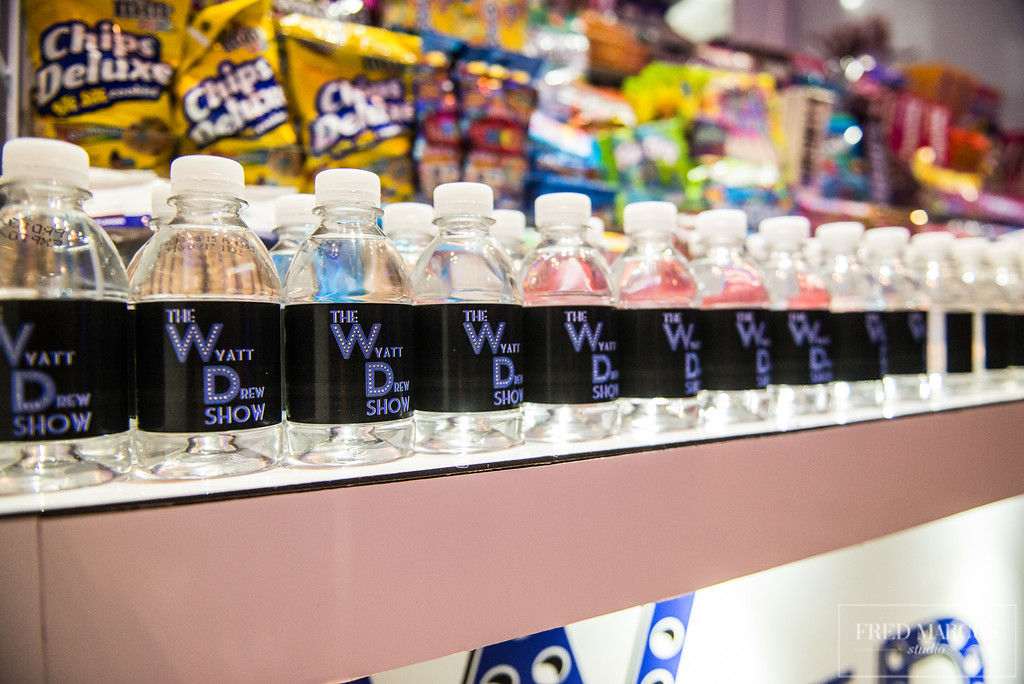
{"points": [[650, 239], [465, 226], [207, 210], [57, 196], [564, 231], [349, 218], [294, 232]]}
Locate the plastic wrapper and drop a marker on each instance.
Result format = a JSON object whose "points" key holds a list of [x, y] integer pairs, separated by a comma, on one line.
{"points": [[352, 90], [231, 96], [103, 74]]}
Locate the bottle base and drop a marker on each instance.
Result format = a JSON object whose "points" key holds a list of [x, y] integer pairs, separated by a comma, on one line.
{"points": [[719, 408], [800, 400], [32, 468], [660, 415], [570, 422], [171, 456], [860, 394], [452, 433], [326, 446], [902, 389]]}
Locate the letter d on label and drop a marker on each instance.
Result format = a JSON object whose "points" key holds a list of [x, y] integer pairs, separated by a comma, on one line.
{"points": [[20, 380], [601, 368], [503, 364], [210, 375], [372, 388]]}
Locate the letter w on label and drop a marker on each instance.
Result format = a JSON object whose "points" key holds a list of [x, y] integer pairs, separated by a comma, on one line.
{"points": [[584, 333], [13, 348], [803, 331], [678, 333], [204, 345], [355, 334], [752, 332], [492, 337]]}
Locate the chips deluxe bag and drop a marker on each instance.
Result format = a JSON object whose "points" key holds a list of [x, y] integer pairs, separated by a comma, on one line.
{"points": [[102, 76], [351, 87], [231, 98]]}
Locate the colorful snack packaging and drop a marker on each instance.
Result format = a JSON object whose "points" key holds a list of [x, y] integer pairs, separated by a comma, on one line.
{"points": [[351, 87], [438, 147], [103, 74], [231, 96]]}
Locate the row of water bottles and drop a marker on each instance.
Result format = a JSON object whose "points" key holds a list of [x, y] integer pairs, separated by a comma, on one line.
{"points": [[357, 359]]}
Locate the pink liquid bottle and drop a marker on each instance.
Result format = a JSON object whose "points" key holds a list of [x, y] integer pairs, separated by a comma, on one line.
{"points": [[802, 365], [736, 361], [660, 374], [571, 379]]}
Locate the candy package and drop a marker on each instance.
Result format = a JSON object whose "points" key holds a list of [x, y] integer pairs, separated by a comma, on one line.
{"points": [[438, 147], [231, 96], [103, 74], [351, 87]]}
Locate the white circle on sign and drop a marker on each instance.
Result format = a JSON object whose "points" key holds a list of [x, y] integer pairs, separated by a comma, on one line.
{"points": [[500, 674], [659, 676], [551, 666], [666, 638]]}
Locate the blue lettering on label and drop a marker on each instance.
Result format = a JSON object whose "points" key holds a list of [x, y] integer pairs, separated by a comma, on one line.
{"points": [[477, 338], [193, 336], [584, 333], [355, 335], [375, 388]]}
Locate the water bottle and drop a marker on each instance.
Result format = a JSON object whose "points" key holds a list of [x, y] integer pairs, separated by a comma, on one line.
{"points": [[1008, 303], [468, 384], [63, 327], [988, 316], [950, 315], [348, 333], [160, 214], [294, 221], [410, 226], [207, 333], [858, 325], [660, 369], [508, 229], [801, 326], [906, 314], [734, 314], [571, 379]]}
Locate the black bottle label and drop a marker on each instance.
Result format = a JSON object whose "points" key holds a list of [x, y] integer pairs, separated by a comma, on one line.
{"points": [[737, 352], [205, 366], [571, 354], [908, 341], [1016, 343], [801, 347], [959, 333], [469, 357], [659, 353], [861, 346], [998, 328], [348, 363], [65, 369]]}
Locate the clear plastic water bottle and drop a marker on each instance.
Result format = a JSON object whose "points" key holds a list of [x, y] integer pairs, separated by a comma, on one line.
{"points": [[160, 214], [509, 229], [207, 333], [410, 226], [987, 314], [906, 314], [950, 315], [734, 313], [571, 379], [63, 327], [801, 326], [348, 333], [294, 221], [860, 351], [660, 369], [1007, 312], [468, 386]]}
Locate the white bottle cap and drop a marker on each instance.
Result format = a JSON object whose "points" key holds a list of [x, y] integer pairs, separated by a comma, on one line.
{"points": [[730, 224], [463, 199], [757, 247], [1002, 253], [970, 250], [841, 236], [46, 160], [936, 243], [652, 217], [509, 225], [786, 232], [208, 175], [297, 208], [594, 234], [562, 209], [159, 209], [409, 217], [886, 239], [351, 186]]}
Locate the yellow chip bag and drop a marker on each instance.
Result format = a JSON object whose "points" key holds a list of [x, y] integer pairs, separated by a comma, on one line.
{"points": [[351, 86], [103, 72], [231, 97]]}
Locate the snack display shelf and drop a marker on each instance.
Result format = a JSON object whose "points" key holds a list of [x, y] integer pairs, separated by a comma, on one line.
{"points": [[313, 577]]}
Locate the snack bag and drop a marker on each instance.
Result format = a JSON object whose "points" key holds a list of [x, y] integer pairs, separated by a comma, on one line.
{"points": [[231, 97], [351, 86], [103, 73]]}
